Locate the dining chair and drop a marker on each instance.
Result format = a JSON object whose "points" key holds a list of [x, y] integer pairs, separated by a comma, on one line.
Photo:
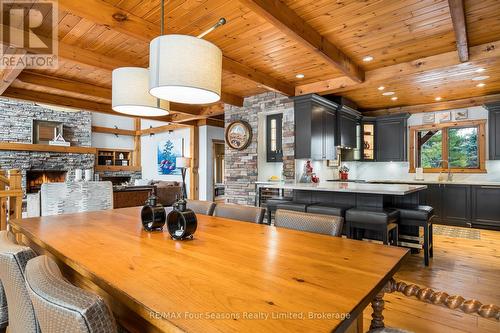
{"points": [[75, 197], [62, 307], [13, 259], [240, 213], [316, 223], [201, 207]]}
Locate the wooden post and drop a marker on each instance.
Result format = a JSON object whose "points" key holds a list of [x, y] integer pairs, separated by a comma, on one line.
{"points": [[16, 200], [194, 152], [137, 143]]}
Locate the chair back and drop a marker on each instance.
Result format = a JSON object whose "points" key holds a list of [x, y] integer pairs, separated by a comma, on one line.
{"points": [[13, 259], [4, 311], [201, 207], [63, 307], [317, 223], [75, 197], [240, 213]]}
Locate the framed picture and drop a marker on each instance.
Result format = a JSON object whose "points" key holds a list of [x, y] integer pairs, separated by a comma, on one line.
{"points": [[168, 151], [238, 135], [429, 118], [461, 114], [443, 117]]}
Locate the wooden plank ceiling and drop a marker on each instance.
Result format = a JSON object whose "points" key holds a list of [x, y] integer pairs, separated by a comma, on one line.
{"points": [[267, 43]]}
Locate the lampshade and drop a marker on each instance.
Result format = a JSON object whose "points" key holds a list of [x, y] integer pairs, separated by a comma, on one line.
{"points": [[183, 162], [185, 69], [130, 93]]}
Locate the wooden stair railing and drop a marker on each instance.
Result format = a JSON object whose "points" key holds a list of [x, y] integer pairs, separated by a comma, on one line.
{"points": [[11, 196]]}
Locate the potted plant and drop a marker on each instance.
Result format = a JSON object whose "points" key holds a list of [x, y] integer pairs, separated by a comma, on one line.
{"points": [[344, 172]]}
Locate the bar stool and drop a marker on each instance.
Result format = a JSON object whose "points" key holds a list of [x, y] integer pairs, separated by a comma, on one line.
{"points": [[272, 206], [329, 209], [383, 221], [411, 218], [296, 206]]}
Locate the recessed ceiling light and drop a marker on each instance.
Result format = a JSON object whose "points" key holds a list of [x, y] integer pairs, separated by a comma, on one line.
{"points": [[480, 78], [300, 76], [367, 58], [388, 93], [394, 98], [480, 85], [381, 88], [438, 98], [480, 70]]}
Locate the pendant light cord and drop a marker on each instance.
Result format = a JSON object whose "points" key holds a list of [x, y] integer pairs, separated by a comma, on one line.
{"points": [[162, 29]]}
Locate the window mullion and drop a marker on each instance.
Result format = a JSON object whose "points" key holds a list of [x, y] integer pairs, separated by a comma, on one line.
{"points": [[445, 149]]}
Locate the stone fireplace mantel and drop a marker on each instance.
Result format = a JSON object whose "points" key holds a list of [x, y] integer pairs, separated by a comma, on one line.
{"points": [[46, 148]]}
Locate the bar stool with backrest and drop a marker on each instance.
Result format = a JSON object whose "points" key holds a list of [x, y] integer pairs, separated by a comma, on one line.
{"points": [[411, 218], [316, 223], [361, 221], [201, 207], [61, 306], [240, 213], [13, 259]]}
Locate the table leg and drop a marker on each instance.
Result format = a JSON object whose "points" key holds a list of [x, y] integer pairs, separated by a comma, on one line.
{"points": [[378, 308]]}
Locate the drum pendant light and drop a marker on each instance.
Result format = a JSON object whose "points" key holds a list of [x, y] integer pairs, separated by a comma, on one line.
{"points": [[130, 93], [185, 69]]}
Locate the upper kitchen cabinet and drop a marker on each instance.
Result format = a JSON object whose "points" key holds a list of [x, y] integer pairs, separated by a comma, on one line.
{"points": [[315, 127], [494, 130], [347, 123], [391, 139]]}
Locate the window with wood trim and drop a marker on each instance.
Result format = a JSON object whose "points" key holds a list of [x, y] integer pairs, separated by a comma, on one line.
{"points": [[459, 146]]}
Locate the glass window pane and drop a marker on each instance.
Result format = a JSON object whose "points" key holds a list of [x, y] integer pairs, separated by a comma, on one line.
{"points": [[463, 147], [429, 143], [273, 145], [273, 123]]}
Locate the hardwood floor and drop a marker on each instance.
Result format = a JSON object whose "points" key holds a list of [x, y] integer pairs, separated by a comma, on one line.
{"points": [[470, 268]]}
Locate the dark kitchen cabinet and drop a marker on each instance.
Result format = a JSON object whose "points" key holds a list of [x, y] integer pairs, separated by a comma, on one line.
{"points": [[432, 197], [347, 122], [494, 130], [456, 205], [368, 143], [315, 126], [486, 207], [391, 138], [274, 137]]}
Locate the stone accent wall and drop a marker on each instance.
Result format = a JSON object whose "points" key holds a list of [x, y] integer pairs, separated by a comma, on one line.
{"points": [[241, 165], [16, 121]]}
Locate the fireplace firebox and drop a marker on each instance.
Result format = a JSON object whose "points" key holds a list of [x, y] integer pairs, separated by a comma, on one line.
{"points": [[35, 178]]}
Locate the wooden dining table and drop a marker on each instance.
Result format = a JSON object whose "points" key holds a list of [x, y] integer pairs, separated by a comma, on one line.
{"points": [[232, 277]]}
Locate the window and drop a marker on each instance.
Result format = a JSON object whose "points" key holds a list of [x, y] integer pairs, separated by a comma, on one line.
{"points": [[274, 137], [458, 145]]}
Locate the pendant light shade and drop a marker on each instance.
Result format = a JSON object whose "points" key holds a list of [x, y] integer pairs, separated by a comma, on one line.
{"points": [[130, 93], [185, 69]]}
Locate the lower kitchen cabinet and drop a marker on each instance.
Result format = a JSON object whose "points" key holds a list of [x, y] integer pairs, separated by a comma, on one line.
{"points": [[486, 207], [432, 197], [456, 205]]}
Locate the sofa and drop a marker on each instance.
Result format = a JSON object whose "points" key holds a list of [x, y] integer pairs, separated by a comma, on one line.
{"points": [[168, 192]]}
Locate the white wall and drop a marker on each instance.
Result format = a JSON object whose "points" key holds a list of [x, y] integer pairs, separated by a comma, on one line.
{"points": [[105, 140], [149, 154], [206, 165]]}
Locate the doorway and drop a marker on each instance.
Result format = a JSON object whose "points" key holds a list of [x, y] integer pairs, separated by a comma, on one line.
{"points": [[218, 150]]}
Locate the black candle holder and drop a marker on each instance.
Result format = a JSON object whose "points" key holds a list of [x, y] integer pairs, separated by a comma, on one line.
{"points": [[181, 221], [153, 215]]}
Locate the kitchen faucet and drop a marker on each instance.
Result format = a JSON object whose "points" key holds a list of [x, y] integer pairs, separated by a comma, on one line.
{"points": [[450, 175]]}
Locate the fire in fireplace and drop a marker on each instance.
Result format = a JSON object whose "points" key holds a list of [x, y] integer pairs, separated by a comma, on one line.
{"points": [[35, 179]]}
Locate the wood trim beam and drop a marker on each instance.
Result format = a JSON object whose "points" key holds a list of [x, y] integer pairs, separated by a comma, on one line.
{"points": [[457, 12], [137, 143], [210, 122], [102, 13], [162, 129], [432, 107], [10, 74], [291, 24], [401, 71], [115, 131]]}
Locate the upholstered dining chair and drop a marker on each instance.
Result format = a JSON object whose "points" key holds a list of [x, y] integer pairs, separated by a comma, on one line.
{"points": [[316, 223], [62, 307], [240, 212], [13, 259], [75, 197], [201, 207]]}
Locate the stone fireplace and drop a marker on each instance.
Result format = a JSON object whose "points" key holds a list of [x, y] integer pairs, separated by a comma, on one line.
{"points": [[35, 178]]}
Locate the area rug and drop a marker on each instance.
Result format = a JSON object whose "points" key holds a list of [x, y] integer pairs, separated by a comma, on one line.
{"points": [[456, 232]]}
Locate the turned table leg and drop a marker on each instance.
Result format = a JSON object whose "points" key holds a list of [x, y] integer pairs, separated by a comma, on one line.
{"points": [[378, 308]]}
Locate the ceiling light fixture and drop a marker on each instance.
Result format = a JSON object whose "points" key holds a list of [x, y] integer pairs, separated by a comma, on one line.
{"points": [[480, 78], [438, 99], [394, 98], [480, 70], [367, 58], [300, 76], [130, 93], [185, 69], [381, 88], [480, 85], [388, 93]]}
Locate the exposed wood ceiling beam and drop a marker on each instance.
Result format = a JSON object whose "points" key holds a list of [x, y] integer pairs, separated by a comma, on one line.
{"points": [[10, 74], [457, 12], [431, 107], [400, 71], [116, 131], [287, 21], [102, 13]]}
